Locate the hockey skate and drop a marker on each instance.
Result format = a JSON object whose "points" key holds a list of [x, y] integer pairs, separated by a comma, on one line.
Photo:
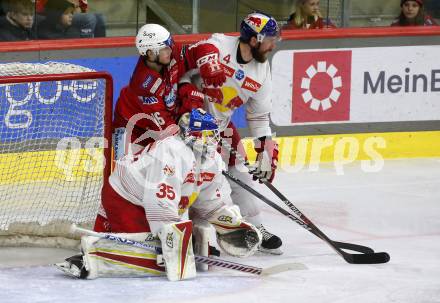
{"points": [[74, 267], [271, 243]]}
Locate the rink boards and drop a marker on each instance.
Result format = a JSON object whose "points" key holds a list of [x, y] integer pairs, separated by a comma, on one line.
{"points": [[299, 150], [74, 165]]}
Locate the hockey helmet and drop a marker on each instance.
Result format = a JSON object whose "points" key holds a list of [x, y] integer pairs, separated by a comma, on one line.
{"points": [[199, 130], [259, 25], [153, 37]]}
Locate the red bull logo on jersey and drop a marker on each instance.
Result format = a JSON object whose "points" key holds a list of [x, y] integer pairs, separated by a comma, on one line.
{"points": [[234, 103], [225, 98], [169, 170]]}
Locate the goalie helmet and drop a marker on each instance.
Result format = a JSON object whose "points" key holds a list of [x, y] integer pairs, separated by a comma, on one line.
{"points": [[199, 130], [259, 25], [153, 37]]}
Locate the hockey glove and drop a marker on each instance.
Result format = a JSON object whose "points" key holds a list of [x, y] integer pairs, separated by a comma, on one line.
{"points": [[190, 98], [266, 161], [235, 236], [209, 65]]}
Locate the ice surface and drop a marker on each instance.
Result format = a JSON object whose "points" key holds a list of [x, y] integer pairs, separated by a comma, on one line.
{"points": [[396, 210]]}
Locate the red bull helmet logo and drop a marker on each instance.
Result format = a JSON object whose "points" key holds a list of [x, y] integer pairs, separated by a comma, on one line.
{"points": [[257, 22]]}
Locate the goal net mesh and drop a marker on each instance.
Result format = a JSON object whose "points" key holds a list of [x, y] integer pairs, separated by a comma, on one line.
{"points": [[52, 143]]}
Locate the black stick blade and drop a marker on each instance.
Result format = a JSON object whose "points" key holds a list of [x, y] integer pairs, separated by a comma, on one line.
{"points": [[354, 247], [374, 258]]}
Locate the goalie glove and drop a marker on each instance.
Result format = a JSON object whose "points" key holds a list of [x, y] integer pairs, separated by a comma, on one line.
{"points": [[209, 65], [266, 161], [190, 98], [235, 236]]}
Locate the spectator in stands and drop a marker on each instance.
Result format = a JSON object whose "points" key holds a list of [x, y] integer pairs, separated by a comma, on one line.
{"points": [[17, 24], [307, 15], [88, 25], [58, 21], [413, 14]]}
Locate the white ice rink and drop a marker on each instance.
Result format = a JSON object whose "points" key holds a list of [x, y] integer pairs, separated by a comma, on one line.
{"points": [[396, 210]]}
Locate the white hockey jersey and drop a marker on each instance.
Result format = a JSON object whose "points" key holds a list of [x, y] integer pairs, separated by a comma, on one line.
{"points": [[249, 84], [166, 179]]}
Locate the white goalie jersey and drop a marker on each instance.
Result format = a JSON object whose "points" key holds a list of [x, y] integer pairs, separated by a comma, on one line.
{"points": [[248, 84], [166, 180]]}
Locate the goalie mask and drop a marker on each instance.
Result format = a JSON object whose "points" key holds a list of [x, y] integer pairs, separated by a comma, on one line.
{"points": [[199, 131], [153, 37]]}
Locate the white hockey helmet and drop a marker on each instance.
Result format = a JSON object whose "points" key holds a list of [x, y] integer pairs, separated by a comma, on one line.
{"points": [[152, 37]]}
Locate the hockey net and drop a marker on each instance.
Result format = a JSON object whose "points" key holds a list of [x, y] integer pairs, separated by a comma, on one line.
{"points": [[54, 156]]}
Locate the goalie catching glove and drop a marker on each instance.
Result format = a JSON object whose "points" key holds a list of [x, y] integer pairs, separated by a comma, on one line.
{"points": [[266, 161], [235, 236]]}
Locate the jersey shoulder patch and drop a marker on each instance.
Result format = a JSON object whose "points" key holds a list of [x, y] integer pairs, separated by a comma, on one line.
{"points": [[149, 100], [146, 80]]}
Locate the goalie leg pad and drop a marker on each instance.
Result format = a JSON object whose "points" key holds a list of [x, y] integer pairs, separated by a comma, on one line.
{"points": [[177, 250], [201, 242], [105, 258], [235, 236]]}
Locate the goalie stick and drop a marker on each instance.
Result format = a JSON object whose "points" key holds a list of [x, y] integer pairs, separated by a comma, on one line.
{"points": [[368, 255], [199, 259]]}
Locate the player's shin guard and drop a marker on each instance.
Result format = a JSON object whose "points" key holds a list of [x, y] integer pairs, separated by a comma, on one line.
{"points": [[177, 250]]}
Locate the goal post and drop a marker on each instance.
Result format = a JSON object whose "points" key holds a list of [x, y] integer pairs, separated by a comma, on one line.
{"points": [[55, 150]]}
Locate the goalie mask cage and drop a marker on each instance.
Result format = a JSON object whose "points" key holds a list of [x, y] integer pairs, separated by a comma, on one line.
{"points": [[55, 142]]}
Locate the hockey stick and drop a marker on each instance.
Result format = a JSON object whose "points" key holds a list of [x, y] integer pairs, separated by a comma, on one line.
{"points": [[368, 255], [315, 230], [199, 259]]}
